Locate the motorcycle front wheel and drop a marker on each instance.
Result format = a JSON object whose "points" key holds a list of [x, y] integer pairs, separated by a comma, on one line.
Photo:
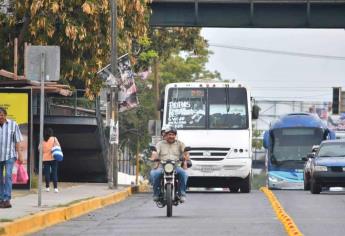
{"points": [[169, 199]]}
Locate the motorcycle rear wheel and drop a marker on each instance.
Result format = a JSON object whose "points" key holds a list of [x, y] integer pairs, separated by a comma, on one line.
{"points": [[169, 199]]}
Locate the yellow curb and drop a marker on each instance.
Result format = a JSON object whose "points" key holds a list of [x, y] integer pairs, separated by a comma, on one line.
{"points": [[289, 225], [41, 220]]}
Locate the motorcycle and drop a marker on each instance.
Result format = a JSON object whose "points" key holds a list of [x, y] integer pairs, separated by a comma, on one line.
{"points": [[169, 186]]}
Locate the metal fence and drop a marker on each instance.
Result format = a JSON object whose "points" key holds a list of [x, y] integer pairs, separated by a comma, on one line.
{"points": [[127, 166], [75, 105]]}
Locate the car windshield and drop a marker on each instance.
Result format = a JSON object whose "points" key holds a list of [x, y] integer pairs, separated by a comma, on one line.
{"points": [[332, 150]]}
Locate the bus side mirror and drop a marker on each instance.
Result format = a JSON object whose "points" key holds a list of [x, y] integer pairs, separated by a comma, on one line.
{"points": [[255, 112]]}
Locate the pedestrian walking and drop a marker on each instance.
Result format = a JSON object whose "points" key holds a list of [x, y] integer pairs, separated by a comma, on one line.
{"points": [[50, 165], [10, 150]]}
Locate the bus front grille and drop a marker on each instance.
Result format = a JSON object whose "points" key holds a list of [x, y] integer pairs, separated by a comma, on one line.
{"points": [[212, 154], [206, 159]]}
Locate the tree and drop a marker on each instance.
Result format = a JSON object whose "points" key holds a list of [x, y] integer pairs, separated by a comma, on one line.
{"points": [[257, 143], [81, 28], [182, 59]]}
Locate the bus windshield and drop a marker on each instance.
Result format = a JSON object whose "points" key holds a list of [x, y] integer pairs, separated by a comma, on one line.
{"points": [[207, 108], [292, 144]]}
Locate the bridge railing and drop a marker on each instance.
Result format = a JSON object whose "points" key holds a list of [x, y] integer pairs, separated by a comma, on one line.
{"points": [[75, 105]]}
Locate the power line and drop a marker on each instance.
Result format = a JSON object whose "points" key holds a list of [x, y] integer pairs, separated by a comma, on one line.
{"points": [[311, 96], [293, 87], [282, 89], [279, 52], [279, 81]]}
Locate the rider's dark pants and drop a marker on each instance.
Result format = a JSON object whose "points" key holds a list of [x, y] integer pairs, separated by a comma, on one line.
{"points": [[157, 174]]}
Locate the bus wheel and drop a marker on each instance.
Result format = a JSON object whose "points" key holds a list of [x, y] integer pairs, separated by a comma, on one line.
{"points": [[245, 186], [234, 189]]}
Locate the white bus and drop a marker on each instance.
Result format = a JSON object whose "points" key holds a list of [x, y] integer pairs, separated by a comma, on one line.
{"points": [[214, 119]]}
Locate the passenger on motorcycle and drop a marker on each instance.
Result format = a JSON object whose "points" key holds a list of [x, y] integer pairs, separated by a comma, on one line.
{"points": [[170, 148]]}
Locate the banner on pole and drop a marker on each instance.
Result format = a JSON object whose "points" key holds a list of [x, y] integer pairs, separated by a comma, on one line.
{"points": [[124, 80]]}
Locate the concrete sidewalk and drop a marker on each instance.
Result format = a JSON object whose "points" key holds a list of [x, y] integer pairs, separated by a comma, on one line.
{"points": [[72, 201]]}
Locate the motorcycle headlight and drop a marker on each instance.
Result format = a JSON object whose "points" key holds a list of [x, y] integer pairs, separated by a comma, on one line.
{"points": [[168, 168], [320, 168]]}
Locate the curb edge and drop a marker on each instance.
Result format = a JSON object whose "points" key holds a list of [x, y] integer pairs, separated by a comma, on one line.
{"points": [[41, 220]]}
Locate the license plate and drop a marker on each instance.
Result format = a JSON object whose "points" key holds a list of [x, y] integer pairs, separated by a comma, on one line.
{"points": [[207, 169]]}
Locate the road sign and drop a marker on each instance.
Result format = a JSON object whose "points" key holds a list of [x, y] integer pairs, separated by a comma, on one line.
{"points": [[52, 63]]}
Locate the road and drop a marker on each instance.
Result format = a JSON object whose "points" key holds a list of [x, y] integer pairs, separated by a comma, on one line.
{"points": [[213, 213], [315, 214], [202, 214]]}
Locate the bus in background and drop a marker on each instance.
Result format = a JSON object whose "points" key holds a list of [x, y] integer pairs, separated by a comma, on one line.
{"points": [[288, 141], [214, 119]]}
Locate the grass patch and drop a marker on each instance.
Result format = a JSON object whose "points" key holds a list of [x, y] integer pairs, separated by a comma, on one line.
{"points": [[74, 202], [259, 181], [34, 181], [4, 220]]}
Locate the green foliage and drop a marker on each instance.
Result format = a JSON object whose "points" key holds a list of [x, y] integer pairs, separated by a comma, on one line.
{"points": [[259, 180], [82, 29], [256, 142]]}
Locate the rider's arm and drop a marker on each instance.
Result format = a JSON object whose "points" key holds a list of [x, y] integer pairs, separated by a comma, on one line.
{"points": [[186, 155], [154, 155]]}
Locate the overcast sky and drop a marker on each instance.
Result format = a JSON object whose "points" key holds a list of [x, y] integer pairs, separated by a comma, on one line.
{"points": [[266, 62]]}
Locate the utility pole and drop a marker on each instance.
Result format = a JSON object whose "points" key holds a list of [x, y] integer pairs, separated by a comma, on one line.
{"points": [[156, 88], [137, 167], [15, 71], [40, 160], [113, 144]]}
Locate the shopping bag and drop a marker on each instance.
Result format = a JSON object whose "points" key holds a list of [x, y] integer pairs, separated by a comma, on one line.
{"points": [[57, 153], [22, 175]]}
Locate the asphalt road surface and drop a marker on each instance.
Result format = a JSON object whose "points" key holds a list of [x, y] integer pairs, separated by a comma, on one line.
{"points": [[213, 213], [315, 214], [204, 213]]}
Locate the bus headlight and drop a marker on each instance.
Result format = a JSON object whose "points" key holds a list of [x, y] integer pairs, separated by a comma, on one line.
{"points": [[168, 168], [274, 179], [320, 168]]}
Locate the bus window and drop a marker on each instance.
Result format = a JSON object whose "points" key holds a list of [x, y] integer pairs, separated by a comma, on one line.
{"points": [[186, 108], [228, 108]]}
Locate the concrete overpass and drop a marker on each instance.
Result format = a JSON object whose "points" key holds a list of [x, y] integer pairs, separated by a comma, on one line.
{"points": [[249, 13]]}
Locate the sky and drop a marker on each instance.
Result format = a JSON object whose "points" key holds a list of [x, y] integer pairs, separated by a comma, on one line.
{"points": [[280, 64]]}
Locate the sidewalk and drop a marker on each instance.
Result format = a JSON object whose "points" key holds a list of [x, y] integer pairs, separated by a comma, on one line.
{"points": [[73, 199]]}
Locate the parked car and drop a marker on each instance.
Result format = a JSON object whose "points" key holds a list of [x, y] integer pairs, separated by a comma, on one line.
{"points": [[307, 165], [327, 166]]}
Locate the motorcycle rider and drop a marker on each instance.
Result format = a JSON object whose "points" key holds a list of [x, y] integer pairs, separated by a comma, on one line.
{"points": [[170, 148]]}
